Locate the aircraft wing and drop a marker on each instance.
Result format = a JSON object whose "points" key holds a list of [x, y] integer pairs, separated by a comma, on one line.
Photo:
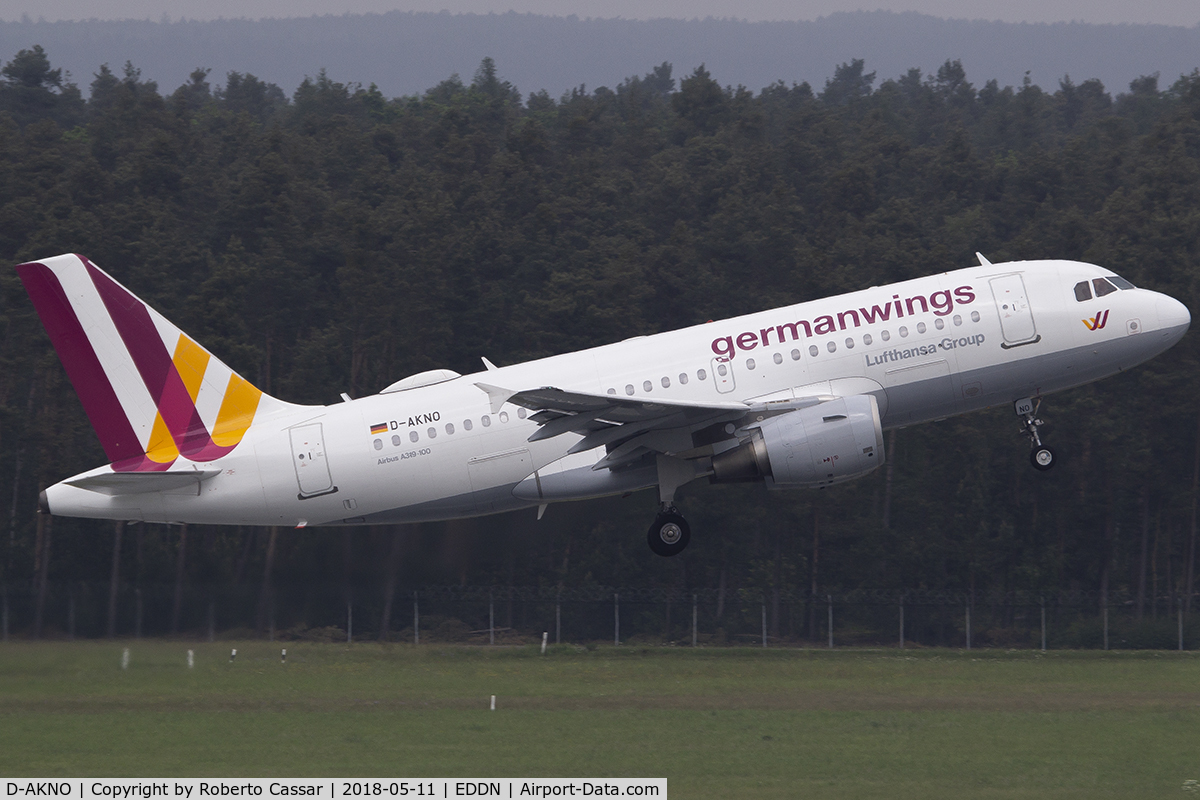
{"points": [[629, 427]]}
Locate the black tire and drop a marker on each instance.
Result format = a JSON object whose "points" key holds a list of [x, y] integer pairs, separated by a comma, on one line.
{"points": [[1043, 458], [669, 535]]}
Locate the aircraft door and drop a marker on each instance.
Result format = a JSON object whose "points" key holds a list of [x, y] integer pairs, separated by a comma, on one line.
{"points": [[1016, 316], [308, 457], [722, 375]]}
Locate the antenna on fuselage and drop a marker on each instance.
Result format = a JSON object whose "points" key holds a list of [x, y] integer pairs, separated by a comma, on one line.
{"points": [[983, 262]]}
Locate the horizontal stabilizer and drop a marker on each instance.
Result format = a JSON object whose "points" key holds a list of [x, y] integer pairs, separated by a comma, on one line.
{"points": [[115, 483]]}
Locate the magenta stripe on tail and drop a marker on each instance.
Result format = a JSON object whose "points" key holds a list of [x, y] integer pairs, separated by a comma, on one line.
{"points": [[79, 360], [154, 363]]}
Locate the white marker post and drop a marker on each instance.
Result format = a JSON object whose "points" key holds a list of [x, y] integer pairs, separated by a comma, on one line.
{"points": [[191, 659], [545, 636], [283, 656], [693, 620], [232, 655], [616, 620], [125, 659], [493, 702]]}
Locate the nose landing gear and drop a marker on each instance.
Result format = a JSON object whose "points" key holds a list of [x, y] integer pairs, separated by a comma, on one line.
{"points": [[1041, 456]]}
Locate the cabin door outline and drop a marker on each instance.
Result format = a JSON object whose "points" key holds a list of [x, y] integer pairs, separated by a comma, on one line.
{"points": [[1016, 316], [308, 457]]}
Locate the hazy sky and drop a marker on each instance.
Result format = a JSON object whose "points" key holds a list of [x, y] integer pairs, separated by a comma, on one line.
{"points": [[1163, 12]]}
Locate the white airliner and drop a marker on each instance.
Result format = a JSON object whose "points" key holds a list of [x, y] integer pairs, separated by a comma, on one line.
{"points": [[797, 396]]}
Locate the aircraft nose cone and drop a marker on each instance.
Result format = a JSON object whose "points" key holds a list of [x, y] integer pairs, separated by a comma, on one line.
{"points": [[1173, 316]]}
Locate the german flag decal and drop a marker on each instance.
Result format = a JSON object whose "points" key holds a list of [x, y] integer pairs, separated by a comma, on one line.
{"points": [[380, 428]]}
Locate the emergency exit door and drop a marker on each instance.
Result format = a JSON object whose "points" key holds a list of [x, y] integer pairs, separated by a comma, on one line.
{"points": [[722, 375]]}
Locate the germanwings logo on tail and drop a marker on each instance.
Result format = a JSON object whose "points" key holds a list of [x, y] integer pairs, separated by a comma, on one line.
{"points": [[1097, 322], [151, 393]]}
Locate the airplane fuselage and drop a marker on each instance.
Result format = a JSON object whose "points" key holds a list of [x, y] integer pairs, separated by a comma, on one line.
{"points": [[925, 349]]}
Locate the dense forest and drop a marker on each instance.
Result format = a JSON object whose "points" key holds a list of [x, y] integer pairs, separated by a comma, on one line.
{"points": [[338, 240]]}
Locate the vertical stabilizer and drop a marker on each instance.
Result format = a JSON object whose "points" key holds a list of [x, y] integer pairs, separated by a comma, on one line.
{"points": [[151, 392]]}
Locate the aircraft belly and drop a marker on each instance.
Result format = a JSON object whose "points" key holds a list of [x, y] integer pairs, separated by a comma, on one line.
{"points": [[918, 390], [471, 504], [1002, 383]]}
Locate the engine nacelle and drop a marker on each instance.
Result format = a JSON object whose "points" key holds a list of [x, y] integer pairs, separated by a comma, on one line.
{"points": [[817, 446]]}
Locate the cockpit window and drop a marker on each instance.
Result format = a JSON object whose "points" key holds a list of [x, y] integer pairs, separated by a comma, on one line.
{"points": [[1120, 282], [1083, 291], [1103, 287]]}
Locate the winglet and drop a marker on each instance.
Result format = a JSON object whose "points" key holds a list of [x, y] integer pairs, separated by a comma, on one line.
{"points": [[497, 396], [491, 367], [983, 262]]}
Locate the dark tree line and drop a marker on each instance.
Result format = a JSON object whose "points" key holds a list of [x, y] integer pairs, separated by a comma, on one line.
{"points": [[337, 240]]}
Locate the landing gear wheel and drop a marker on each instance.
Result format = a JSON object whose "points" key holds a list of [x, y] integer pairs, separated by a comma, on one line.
{"points": [[1043, 457], [669, 534]]}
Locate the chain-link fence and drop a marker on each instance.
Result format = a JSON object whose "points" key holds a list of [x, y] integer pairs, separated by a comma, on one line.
{"points": [[595, 614]]}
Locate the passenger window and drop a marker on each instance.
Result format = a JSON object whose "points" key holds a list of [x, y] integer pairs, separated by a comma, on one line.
{"points": [[939, 323], [666, 382], [521, 413], [629, 389], [432, 433], [866, 338], [612, 391], [1083, 292], [683, 378], [796, 353], [379, 444], [903, 332], [832, 347], [396, 440], [974, 316], [1120, 282], [486, 420], [701, 374], [812, 351], [849, 344], [413, 436], [647, 386], [449, 427], [920, 327], [1103, 287], [778, 358], [467, 425], [957, 320], [885, 335], [749, 363], [722, 370], [504, 416]]}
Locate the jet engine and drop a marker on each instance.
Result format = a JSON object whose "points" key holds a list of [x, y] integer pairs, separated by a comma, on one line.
{"points": [[835, 441]]}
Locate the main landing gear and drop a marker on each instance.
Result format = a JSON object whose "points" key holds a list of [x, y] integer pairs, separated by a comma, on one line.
{"points": [[1041, 456], [670, 533]]}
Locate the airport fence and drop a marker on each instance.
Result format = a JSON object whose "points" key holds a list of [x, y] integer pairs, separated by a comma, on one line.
{"points": [[508, 615]]}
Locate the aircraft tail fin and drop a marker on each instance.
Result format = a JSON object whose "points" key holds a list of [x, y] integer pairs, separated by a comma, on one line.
{"points": [[151, 392]]}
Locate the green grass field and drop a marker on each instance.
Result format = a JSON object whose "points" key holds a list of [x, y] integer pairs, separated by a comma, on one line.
{"points": [[715, 722]]}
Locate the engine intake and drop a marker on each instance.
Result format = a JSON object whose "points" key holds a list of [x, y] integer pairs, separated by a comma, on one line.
{"points": [[818, 446]]}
